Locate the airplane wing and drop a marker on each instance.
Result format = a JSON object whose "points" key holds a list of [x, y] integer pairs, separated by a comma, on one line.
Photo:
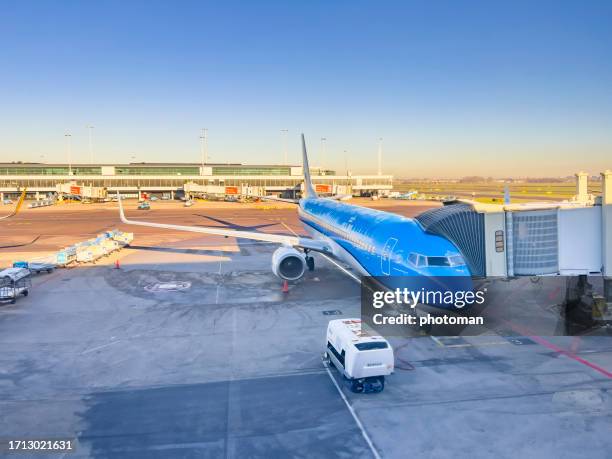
{"points": [[18, 206], [276, 198], [292, 241]]}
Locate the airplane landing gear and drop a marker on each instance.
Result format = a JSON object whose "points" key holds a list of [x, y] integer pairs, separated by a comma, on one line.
{"points": [[309, 261]]}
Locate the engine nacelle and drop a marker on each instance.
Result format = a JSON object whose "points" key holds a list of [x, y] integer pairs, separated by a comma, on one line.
{"points": [[288, 263]]}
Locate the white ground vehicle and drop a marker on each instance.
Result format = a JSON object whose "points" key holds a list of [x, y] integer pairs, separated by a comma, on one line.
{"points": [[362, 358], [14, 282]]}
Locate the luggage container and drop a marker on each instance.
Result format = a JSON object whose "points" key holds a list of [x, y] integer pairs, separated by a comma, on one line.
{"points": [[35, 267], [362, 358], [65, 256], [123, 238], [14, 282], [87, 253], [110, 245]]}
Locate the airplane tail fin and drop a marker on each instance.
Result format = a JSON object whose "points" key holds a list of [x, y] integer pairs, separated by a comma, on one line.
{"points": [[20, 202], [309, 191], [18, 206]]}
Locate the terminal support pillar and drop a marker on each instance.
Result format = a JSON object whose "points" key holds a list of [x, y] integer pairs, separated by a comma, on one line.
{"points": [[608, 289], [606, 231]]}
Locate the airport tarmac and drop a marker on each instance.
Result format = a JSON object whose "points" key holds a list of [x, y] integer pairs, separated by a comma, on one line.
{"points": [[190, 349], [41, 231]]}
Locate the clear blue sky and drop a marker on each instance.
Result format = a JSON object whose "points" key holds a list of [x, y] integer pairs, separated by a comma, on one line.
{"points": [[454, 88]]}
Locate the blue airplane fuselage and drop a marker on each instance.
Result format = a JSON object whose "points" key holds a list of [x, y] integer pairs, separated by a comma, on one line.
{"points": [[381, 243]]}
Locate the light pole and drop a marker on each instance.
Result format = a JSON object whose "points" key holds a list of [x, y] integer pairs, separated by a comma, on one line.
{"points": [[323, 139], [68, 137], [91, 155], [380, 156], [284, 132], [204, 146]]}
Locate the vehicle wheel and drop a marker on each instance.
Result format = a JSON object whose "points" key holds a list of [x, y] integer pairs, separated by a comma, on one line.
{"points": [[426, 329], [357, 387], [310, 263], [25, 293], [13, 301]]}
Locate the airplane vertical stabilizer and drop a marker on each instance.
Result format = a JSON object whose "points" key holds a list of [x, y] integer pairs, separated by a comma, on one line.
{"points": [[309, 191]]}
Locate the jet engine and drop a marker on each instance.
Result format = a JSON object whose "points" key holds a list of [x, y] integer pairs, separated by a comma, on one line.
{"points": [[288, 263]]}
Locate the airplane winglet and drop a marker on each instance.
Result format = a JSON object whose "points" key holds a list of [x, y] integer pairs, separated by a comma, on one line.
{"points": [[121, 214]]}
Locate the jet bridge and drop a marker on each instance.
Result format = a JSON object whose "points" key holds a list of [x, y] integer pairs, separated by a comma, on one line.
{"points": [[534, 239]]}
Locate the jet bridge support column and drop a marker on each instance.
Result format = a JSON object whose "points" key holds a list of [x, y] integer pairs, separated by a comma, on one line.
{"points": [[606, 233]]}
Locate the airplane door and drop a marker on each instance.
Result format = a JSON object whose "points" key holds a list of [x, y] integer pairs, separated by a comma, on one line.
{"points": [[385, 256]]}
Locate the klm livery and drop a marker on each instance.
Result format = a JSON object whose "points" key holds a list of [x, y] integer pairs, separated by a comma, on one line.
{"points": [[372, 242]]}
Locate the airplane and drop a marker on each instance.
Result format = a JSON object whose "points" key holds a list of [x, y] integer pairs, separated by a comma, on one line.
{"points": [[18, 206], [371, 242], [408, 195]]}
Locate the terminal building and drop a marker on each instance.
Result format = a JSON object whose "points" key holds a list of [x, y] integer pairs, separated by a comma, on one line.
{"points": [[169, 177]]}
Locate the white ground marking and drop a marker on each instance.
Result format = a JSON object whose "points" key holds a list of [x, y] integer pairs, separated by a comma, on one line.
{"points": [[346, 271], [352, 411], [348, 405]]}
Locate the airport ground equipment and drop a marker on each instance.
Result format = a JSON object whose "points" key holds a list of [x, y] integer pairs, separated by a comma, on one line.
{"points": [[14, 282], [85, 192], [362, 358], [41, 203], [35, 267], [65, 256]]}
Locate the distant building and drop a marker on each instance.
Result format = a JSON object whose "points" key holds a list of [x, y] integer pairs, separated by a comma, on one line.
{"points": [[163, 177]]}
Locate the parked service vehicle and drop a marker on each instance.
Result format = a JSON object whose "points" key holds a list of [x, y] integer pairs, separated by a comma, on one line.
{"points": [[362, 358], [14, 282], [188, 203], [7, 202], [153, 198], [144, 206]]}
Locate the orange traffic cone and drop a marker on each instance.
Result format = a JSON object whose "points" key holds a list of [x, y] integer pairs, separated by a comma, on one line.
{"points": [[285, 286], [117, 264]]}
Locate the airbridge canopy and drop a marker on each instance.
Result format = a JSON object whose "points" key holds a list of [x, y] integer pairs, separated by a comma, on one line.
{"points": [[463, 226], [524, 240]]}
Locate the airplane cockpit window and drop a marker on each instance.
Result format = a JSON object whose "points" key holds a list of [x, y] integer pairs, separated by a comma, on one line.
{"points": [[438, 261], [456, 260], [417, 260]]}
